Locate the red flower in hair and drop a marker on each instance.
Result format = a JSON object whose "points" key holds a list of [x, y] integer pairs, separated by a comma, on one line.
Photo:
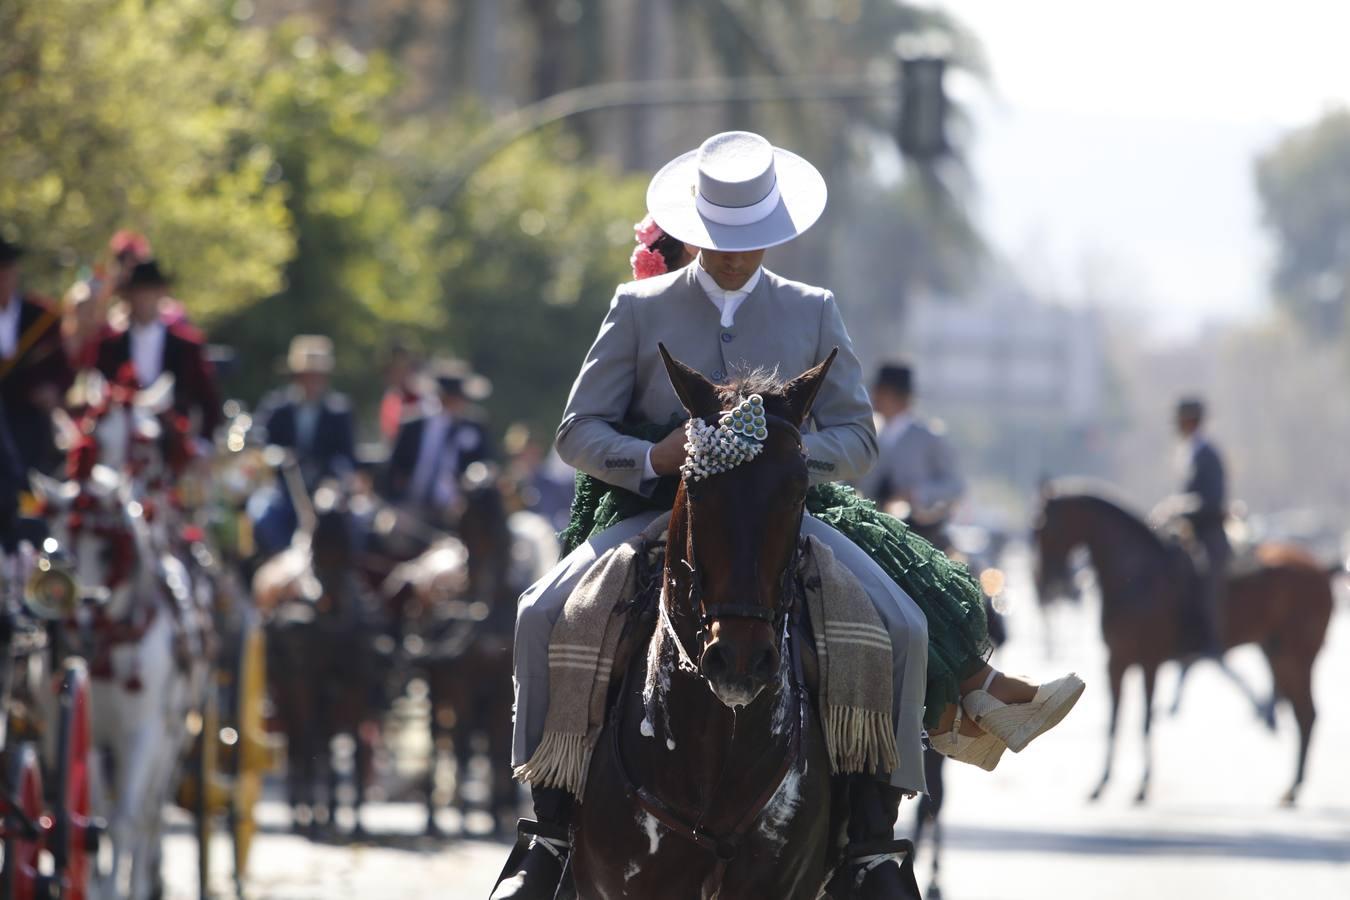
{"points": [[646, 263]]}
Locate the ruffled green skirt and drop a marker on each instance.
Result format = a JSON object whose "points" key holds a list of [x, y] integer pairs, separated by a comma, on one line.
{"points": [[958, 632]]}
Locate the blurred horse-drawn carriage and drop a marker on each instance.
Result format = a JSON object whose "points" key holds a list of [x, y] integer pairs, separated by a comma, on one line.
{"points": [[158, 687]]}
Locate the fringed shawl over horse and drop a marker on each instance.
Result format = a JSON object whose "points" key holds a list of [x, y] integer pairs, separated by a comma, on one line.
{"points": [[712, 776]]}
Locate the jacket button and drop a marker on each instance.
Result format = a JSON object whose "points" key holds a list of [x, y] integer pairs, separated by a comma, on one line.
{"points": [[728, 337]]}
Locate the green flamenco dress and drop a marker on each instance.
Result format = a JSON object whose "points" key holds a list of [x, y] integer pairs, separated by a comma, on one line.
{"points": [[958, 632]]}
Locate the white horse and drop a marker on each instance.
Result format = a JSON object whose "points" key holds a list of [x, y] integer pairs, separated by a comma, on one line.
{"points": [[147, 662]]}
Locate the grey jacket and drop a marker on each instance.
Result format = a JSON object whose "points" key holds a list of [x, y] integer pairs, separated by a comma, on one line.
{"points": [[920, 464], [782, 324]]}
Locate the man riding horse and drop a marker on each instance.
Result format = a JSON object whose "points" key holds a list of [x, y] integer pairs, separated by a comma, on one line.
{"points": [[1205, 507], [723, 314]]}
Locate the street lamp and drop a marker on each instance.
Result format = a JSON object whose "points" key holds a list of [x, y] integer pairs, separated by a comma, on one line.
{"points": [[922, 129]]}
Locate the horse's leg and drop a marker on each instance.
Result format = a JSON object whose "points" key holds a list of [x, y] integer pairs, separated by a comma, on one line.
{"points": [[360, 765], [1183, 670], [1150, 679], [1115, 675], [438, 736], [1293, 679]]}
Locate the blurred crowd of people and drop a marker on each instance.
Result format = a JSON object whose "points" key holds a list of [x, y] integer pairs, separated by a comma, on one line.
{"points": [[119, 327]]}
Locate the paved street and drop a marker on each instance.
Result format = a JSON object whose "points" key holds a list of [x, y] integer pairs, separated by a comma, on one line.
{"points": [[1212, 828]]}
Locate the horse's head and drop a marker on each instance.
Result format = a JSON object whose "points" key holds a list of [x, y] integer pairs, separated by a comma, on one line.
{"points": [[99, 525], [738, 515], [1056, 537]]}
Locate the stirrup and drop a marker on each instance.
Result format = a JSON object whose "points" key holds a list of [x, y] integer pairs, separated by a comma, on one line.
{"points": [[861, 858], [556, 839]]}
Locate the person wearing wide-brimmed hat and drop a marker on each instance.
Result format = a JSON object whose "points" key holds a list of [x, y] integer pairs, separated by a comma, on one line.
{"points": [[34, 371], [313, 421], [432, 452], [152, 347], [734, 197]]}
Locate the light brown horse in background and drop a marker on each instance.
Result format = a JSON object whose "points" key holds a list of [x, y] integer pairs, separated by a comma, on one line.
{"points": [[1282, 604]]}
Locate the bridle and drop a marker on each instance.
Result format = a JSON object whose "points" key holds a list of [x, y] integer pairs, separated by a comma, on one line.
{"points": [[710, 615]]}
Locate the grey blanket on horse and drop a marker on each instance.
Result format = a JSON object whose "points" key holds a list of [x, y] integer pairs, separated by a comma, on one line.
{"points": [[851, 643]]}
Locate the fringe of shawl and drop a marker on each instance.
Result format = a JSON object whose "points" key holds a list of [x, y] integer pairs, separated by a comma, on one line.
{"points": [[860, 740]]}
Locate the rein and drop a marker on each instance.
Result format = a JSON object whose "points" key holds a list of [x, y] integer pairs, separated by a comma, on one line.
{"points": [[726, 847]]}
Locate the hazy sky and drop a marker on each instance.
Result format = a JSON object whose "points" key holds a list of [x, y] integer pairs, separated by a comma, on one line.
{"points": [[1116, 146]]}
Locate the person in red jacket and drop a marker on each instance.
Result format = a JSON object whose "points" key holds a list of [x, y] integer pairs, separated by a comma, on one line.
{"points": [[153, 347], [34, 373]]}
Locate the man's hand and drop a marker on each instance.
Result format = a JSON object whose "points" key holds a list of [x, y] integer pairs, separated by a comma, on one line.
{"points": [[668, 455]]}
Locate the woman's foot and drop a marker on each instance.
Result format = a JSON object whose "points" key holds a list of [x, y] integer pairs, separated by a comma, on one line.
{"points": [[959, 738], [1003, 708]]}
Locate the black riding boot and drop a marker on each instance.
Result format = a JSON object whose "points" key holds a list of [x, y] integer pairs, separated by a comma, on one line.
{"points": [[876, 866], [535, 866]]}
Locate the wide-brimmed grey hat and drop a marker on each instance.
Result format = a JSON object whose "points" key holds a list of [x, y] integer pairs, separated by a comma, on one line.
{"points": [[736, 192]]}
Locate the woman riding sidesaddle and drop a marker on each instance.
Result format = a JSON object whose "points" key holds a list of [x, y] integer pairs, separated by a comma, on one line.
{"points": [[724, 205]]}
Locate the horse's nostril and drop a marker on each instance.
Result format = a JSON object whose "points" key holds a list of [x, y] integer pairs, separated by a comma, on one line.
{"points": [[765, 664], [716, 662]]}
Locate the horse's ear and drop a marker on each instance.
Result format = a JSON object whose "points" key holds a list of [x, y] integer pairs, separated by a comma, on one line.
{"points": [[801, 391], [698, 394]]}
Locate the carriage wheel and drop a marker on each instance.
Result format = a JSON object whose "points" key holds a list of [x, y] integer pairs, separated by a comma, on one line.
{"points": [[253, 754], [73, 836], [205, 772], [19, 876]]}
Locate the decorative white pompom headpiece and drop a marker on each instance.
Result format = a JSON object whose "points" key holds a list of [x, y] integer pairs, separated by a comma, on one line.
{"points": [[738, 437]]}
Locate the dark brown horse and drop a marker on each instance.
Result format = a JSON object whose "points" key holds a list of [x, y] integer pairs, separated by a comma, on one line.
{"points": [[468, 668], [321, 663], [715, 780], [1282, 604]]}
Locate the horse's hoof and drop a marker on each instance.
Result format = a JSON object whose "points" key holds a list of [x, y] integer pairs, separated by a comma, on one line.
{"points": [[934, 892], [1142, 797], [1267, 716], [1290, 798], [1096, 793]]}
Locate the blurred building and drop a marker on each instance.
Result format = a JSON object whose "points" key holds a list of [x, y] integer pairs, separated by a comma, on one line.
{"points": [[1022, 384]]}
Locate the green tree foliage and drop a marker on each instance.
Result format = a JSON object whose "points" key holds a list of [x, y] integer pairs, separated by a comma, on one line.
{"points": [[365, 261], [125, 113], [1304, 184], [530, 254]]}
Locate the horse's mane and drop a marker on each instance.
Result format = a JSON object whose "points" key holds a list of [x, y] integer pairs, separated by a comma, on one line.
{"points": [[1106, 498], [763, 381]]}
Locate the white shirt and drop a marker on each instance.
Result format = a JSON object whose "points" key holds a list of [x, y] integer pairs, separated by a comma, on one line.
{"points": [[429, 481], [727, 302], [147, 351], [9, 327], [895, 429]]}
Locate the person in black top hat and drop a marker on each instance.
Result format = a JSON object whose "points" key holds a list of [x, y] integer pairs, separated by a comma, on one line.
{"points": [[431, 453], [1204, 504], [153, 347], [34, 372]]}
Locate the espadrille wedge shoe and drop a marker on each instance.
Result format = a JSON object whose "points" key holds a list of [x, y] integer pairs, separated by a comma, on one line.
{"points": [[1018, 724]]}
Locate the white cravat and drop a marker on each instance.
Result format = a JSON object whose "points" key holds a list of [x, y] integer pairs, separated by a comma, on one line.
{"points": [[727, 302], [9, 327], [147, 351]]}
